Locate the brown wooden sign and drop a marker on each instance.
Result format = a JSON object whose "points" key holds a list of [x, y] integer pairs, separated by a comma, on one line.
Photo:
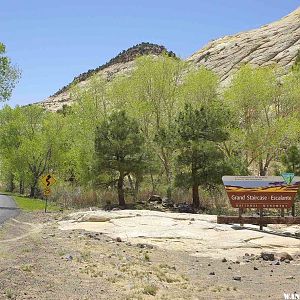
{"points": [[261, 191]]}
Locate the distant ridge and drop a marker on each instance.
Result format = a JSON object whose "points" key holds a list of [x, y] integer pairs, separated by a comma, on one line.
{"points": [[130, 54]]}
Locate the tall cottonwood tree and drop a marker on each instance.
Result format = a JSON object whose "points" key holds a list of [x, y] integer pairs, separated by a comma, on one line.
{"points": [[151, 94], [9, 75], [266, 119]]}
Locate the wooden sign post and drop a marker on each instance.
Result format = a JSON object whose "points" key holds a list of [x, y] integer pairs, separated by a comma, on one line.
{"points": [[261, 192]]}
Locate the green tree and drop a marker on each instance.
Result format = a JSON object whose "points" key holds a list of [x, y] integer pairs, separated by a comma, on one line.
{"points": [[200, 161], [32, 142], [120, 150], [267, 121], [291, 160], [151, 95], [9, 75]]}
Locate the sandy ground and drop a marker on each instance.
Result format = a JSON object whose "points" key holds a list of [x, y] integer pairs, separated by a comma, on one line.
{"points": [[38, 260]]}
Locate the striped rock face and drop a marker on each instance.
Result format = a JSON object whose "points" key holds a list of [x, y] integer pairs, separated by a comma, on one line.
{"points": [[277, 42]]}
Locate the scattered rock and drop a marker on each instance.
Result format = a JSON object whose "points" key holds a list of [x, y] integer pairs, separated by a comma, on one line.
{"points": [[229, 268], [143, 245], [255, 268], [277, 263], [224, 260], [168, 203], [185, 208], [212, 273], [118, 239], [285, 256], [287, 261], [237, 278], [155, 198], [69, 257], [268, 256], [290, 277]]}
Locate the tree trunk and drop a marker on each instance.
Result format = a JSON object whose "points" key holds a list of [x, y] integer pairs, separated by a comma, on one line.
{"points": [[121, 190], [196, 198], [167, 167], [21, 186], [10, 184], [263, 168], [33, 189]]}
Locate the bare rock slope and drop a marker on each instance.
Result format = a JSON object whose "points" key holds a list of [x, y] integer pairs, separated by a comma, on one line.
{"points": [[277, 42]]}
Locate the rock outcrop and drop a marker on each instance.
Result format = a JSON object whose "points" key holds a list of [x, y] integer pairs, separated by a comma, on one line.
{"points": [[277, 42], [121, 64]]}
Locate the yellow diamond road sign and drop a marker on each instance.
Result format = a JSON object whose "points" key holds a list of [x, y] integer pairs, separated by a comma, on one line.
{"points": [[48, 180]]}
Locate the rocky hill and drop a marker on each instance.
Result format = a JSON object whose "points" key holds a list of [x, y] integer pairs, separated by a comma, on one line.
{"points": [[277, 42], [121, 64]]}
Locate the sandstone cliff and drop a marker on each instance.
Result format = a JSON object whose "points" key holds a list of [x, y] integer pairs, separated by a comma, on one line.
{"points": [[277, 42]]}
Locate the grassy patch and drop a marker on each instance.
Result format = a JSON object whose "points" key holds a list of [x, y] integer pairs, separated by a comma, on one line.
{"points": [[29, 204], [150, 289]]}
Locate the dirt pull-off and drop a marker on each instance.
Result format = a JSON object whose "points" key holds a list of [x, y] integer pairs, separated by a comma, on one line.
{"points": [[132, 255]]}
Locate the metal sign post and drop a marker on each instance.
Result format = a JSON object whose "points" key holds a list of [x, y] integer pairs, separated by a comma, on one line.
{"points": [[47, 181]]}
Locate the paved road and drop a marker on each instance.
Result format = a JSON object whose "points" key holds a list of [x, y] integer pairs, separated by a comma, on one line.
{"points": [[8, 208]]}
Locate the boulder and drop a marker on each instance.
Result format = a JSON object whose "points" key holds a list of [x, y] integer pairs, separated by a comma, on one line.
{"points": [[168, 203], [268, 256], [284, 256], [94, 218], [185, 208], [155, 198]]}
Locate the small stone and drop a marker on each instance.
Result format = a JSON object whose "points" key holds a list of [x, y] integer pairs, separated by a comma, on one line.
{"points": [[237, 278], [268, 256], [271, 271], [51, 234], [212, 273], [224, 260], [229, 268], [69, 257], [237, 262], [143, 245], [290, 277], [255, 268], [192, 219], [284, 256], [247, 254], [209, 265], [287, 261], [118, 239], [277, 263]]}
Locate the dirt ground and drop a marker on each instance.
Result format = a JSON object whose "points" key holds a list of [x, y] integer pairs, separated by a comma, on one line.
{"points": [[39, 261]]}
